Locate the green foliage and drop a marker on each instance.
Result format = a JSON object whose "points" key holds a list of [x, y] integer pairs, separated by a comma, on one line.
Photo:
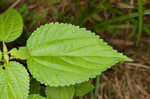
{"points": [[83, 88], [24, 10], [14, 81], [5, 53], [60, 92], [132, 20], [11, 25], [39, 18], [21, 53], [61, 54], [36, 96], [105, 23], [58, 55], [92, 11]]}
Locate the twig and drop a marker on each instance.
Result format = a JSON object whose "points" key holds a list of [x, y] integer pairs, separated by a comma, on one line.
{"points": [[97, 86], [138, 65], [142, 90], [14, 4]]}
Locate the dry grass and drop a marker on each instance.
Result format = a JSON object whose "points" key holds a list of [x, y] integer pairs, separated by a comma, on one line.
{"points": [[128, 80]]}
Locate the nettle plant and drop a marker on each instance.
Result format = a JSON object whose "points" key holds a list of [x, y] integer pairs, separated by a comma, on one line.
{"points": [[62, 57]]}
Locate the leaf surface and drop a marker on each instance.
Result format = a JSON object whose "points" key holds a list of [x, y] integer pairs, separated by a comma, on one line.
{"points": [[83, 88], [11, 25], [68, 54], [36, 96], [21, 53], [60, 92], [14, 81]]}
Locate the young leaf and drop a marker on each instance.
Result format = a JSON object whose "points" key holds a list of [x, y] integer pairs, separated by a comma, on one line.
{"points": [[0, 55], [60, 92], [11, 25], [14, 81], [83, 88], [68, 54], [21, 53], [36, 96]]}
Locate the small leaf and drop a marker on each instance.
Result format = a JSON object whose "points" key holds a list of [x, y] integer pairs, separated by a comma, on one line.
{"points": [[60, 92], [83, 88], [0, 55], [36, 96], [21, 53], [68, 54], [14, 81], [11, 25]]}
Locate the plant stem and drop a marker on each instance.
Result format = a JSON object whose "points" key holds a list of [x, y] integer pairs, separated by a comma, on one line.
{"points": [[81, 97], [91, 95], [5, 54], [97, 86], [140, 18]]}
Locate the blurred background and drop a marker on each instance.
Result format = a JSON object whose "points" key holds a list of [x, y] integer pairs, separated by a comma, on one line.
{"points": [[124, 24]]}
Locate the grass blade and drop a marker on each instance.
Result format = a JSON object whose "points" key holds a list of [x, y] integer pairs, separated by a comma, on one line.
{"points": [[134, 21], [118, 19], [140, 18], [97, 86]]}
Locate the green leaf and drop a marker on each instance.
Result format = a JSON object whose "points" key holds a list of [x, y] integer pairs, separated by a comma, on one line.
{"points": [[14, 81], [21, 53], [11, 25], [0, 55], [60, 92], [68, 54], [36, 96], [83, 88]]}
